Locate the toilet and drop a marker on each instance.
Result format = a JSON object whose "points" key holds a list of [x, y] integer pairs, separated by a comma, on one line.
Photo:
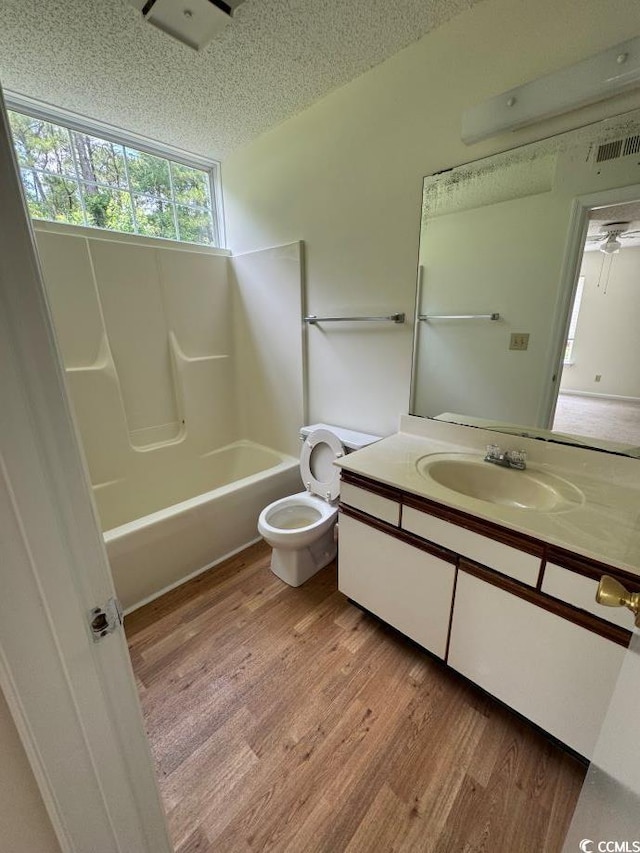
{"points": [[301, 528]]}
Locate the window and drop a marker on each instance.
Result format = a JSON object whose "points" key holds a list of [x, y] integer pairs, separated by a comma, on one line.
{"points": [[76, 177], [568, 353]]}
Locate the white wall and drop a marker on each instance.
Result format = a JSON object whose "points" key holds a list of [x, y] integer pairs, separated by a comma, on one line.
{"points": [[24, 823], [607, 341], [346, 176], [482, 261]]}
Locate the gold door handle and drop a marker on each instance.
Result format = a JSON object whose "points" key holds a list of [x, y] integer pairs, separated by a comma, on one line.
{"points": [[612, 593]]}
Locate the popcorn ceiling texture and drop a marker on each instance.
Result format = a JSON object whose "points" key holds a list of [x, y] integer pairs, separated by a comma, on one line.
{"points": [[525, 170], [100, 59]]}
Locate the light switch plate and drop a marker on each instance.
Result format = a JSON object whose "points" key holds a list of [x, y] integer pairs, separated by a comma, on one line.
{"points": [[519, 340]]}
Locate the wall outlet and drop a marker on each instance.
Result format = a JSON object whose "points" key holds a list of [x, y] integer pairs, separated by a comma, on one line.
{"points": [[598, 377], [519, 340]]}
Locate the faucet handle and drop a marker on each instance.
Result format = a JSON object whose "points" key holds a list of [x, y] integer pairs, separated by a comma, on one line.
{"points": [[517, 458], [493, 451]]}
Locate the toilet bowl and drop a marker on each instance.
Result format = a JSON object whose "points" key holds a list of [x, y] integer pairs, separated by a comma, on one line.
{"points": [[301, 528]]}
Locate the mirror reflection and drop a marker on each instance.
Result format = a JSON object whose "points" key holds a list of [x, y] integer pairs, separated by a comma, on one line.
{"points": [[529, 290]]}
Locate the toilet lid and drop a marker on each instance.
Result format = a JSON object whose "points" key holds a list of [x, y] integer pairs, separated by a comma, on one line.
{"points": [[319, 451]]}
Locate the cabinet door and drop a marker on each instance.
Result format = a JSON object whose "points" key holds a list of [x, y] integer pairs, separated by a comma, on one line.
{"points": [[555, 673], [407, 587]]}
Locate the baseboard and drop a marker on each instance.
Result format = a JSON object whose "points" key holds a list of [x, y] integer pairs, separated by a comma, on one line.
{"points": [[190, 576], [618, 397]]}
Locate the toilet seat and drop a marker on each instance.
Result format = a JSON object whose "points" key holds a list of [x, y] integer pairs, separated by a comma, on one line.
{"points": [[319, 474], [321, 517]]}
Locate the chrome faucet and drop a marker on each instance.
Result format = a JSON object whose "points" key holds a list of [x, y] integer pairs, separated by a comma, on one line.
{"points": [[506, 458]]}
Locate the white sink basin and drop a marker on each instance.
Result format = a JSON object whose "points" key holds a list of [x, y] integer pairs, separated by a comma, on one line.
{"points": [[470, 475]]}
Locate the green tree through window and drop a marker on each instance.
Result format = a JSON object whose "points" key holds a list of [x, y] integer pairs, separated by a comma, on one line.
{"points": [[78, 178]]}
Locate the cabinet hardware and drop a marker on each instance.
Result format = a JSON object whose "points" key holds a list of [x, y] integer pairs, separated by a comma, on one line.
{"points": [[611, 593]]}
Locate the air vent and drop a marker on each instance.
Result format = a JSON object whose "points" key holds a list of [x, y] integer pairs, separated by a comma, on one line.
{"points": [[609, 151], [193, 22], [618, 148], [631, 145]]}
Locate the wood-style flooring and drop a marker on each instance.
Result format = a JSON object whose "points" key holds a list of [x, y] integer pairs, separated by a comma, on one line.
{"points": [[287, 720]]}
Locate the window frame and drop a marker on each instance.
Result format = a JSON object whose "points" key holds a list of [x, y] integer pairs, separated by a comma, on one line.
{"points": [[82, 124]]}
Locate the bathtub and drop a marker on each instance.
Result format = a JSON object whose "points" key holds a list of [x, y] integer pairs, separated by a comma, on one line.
{"points": [[180, 520]]}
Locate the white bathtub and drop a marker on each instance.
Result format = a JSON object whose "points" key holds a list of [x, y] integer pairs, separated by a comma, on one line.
{"points": [[177, 523]]}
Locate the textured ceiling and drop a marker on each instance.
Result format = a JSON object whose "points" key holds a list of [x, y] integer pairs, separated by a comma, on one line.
{"points": [[99, 58], [616, 213], [599, 218]]}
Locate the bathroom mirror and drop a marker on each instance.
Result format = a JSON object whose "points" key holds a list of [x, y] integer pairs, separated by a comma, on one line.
{"points": [[528, 295]]}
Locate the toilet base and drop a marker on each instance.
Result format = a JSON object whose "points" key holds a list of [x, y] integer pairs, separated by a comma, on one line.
{"points": [[295, 566]]}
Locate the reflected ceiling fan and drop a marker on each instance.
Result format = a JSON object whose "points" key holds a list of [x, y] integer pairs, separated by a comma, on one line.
{"points": [[612, 236]]}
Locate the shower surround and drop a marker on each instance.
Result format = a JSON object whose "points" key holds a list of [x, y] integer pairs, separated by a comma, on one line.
{"points": [[184, 368]]}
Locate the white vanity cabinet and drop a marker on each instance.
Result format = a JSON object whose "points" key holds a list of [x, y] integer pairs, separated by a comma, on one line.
{"points": [[580, 590], [408, 587], [375, 504], [511, 613], [549, 669], [515, 562]]}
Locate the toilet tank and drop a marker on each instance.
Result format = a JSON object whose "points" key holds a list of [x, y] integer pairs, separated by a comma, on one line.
{"points": [[350, 439]]}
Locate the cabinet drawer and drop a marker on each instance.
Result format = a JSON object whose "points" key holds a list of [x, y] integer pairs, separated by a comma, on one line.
{"points": [[408, 588], [376, 505], [481, 549], [580, 591], [557, 674]]}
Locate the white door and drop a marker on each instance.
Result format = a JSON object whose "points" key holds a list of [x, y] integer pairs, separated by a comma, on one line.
{"points": [[74, 701], [608, 810]]}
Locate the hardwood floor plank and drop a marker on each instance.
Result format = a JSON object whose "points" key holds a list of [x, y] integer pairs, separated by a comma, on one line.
{"points": [[229, 739], [195, 595], [288, 795], [570, 779], [349, 617], [289, 720], [358, 635], [488, 752], [383, 826], [504, 814], [197, 842], [538, 771], [211, 684], [223, 777], [324, 750]]}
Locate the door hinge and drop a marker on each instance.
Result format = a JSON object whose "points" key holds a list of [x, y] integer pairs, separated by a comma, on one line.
{"points": [[105, 620]]}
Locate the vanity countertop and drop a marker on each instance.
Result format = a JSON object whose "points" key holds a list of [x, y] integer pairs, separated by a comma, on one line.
{"points": [[605, 527]]}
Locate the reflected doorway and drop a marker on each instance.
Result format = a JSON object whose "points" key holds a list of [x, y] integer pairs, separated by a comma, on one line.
{"points": [[599, 392]]}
